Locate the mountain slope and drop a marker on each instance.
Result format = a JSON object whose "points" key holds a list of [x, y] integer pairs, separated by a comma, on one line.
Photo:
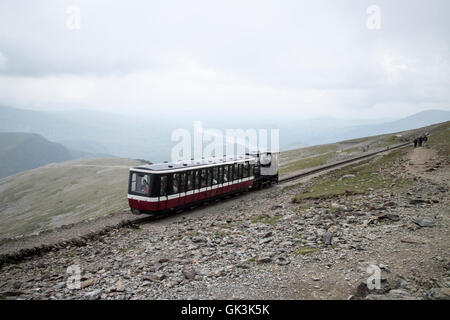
{"points": [[25, 151], [63, 193]]}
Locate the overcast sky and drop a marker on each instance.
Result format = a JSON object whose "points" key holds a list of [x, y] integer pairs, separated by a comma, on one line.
{"points": [[309, 58]]}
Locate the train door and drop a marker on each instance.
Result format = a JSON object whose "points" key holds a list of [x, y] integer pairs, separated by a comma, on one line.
{"points": [[219, 180], [197, 188], [209, 183], [203, 184], [235, 177], [162, 199], [245, 174], [174, 194], [213, 172], [182, 189], [190, 187], [225, 179], [230, 177], [240, 173]]}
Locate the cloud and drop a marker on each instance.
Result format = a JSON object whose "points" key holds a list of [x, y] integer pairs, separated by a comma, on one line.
{"points": [[294, 58], [2, 61]]}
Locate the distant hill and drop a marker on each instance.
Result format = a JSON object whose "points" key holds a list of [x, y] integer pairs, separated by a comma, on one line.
{"points": [[96, 132], [421, 119], [21, 151], [323, 131], [25, 151]]}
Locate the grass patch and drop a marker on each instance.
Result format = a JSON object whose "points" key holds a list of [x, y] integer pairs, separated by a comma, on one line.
{"points": [[305, 250], [192, 234], [367, 174], [293, 186], [228, 225], [219, 234], [306, 163], [389, 141], [123, 250], [353, 149], [439, 140], [251, 260], [288, 155], [266, 219]]}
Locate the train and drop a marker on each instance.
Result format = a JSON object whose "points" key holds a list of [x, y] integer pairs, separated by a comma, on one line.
{"points": [[168, 186]]}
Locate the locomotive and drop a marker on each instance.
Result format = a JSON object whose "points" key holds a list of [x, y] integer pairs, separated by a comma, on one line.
{"points": [[162, 187]]}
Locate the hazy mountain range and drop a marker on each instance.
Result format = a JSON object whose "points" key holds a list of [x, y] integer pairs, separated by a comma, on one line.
{"points": [[321, 131], [78, 134], [24, 151]]}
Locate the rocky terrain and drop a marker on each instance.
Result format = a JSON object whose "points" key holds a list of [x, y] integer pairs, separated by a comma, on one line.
{"points": [[268, 245]]}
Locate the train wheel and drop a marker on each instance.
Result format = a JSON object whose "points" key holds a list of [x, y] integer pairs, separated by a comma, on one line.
{"points": [[136, 211]]}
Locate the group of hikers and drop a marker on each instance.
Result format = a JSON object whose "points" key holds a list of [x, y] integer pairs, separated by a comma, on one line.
{"points": [[421, 141]]}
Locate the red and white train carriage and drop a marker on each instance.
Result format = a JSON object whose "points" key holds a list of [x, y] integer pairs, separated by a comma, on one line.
{"points": [[162, 187]]}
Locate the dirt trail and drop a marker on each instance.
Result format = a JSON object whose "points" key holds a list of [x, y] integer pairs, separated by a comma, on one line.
{"points": [[419, 158], [424, 161]]}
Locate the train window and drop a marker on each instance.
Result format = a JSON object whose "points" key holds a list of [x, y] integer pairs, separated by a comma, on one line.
{"points": [[183, 182], [225, 174], [214, 175], [210, 177], [175, 182], [220, 174], [163, 186], [140, 183], [252, 168], [236, 172], [190, 180], [245, 170], [202, 178], [197, 179]]}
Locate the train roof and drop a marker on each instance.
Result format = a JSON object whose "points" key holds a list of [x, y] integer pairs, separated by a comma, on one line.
{"points": [[191, 164]]}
